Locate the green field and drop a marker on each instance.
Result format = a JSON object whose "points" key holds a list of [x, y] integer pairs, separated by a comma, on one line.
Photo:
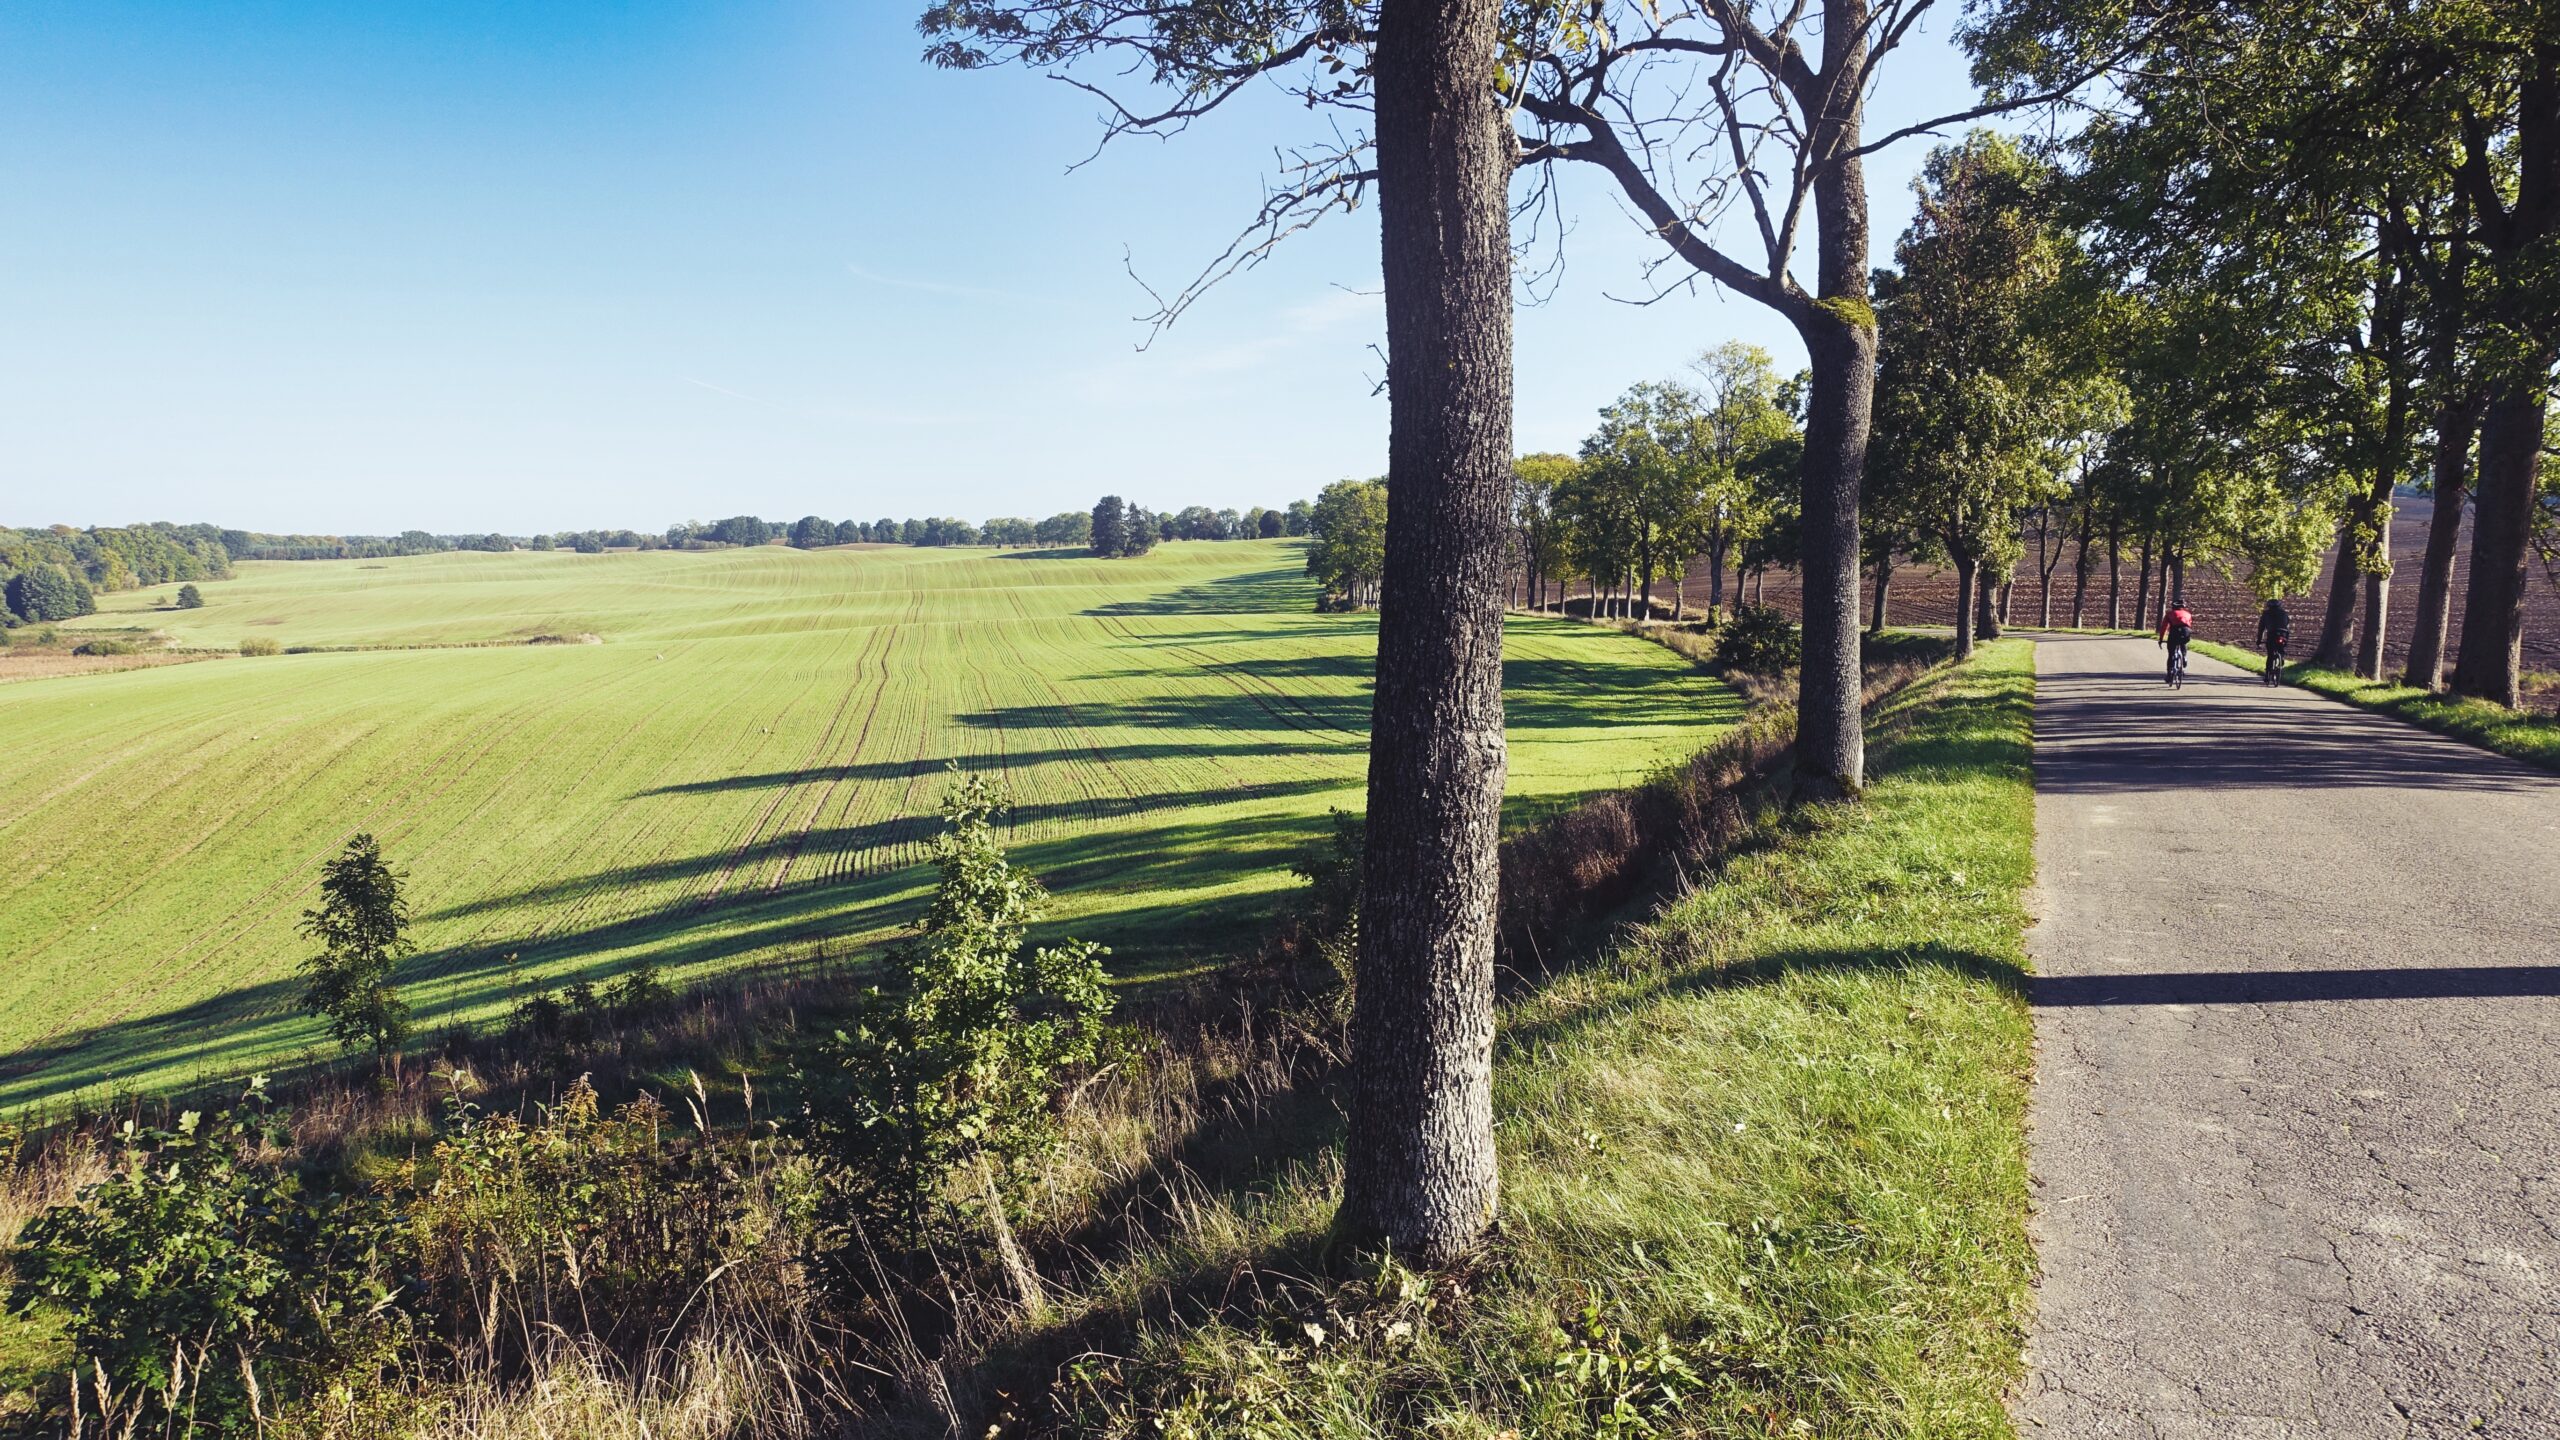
{"points": [[747, 765]]}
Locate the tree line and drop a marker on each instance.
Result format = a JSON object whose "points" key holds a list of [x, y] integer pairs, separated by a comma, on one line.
{"points": [[58, 573]]}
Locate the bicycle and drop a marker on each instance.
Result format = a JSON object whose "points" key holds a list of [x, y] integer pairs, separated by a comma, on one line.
{"points": [[2177, 667], [2275, 660]]}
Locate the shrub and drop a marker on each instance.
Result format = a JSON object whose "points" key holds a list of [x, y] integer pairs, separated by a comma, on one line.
{"points": [[190, 598], [958, 1062], [1332, 873], [361, 925], [107, 647], [260, 645], [204, 1289], [1759, 639], [606, 1225]]}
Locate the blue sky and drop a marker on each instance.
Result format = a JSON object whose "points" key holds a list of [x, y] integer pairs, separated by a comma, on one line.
{"points": [[471, 266]]}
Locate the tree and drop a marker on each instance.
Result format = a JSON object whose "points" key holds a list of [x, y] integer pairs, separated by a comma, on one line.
{"points": [[1537, 482], [1301, 516], [190, 598], [361, 926], [1744, 424], [1975, 398], [1140, 530], [809, 532], [1110, 526], [1268, 524], [955, 1063], [1068, 527], [1349, 553], [50, 592], [742, 530], [1419, 1159]]}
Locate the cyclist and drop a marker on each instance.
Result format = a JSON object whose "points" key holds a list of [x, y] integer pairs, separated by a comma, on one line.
{"points": [[2274, 628], [2177, 626]]}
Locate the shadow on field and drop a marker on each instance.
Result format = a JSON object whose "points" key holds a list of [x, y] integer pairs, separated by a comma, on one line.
{"points": [[1283, 589]]}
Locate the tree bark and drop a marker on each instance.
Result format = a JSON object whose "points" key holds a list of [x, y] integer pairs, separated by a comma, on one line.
{"points": [[1839, 334], [2517, 244], [2456, 420], [2142, 609], [1986, 611], [2490, 664], [2115, 574], [1884, 591], [2080, 573], [1830, 728], [1418, 1161], [1965, 571], [2377, 618]]}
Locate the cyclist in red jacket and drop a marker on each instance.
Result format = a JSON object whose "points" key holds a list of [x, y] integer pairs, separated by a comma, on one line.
{"points": [[2177, 626]]}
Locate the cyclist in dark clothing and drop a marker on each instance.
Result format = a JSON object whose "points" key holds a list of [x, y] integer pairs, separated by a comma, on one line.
{"points": [[2274, 628]]}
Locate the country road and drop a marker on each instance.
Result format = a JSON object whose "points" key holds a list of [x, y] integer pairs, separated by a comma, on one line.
{"points": [[2295, 1138]]}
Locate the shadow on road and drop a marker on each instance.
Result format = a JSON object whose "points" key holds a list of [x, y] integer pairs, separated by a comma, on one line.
{"points": [[2230, 732], [2270, 987]]}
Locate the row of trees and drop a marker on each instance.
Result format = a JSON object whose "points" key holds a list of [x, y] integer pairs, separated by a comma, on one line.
{"points": [[1117, 527], [1704, 466]]}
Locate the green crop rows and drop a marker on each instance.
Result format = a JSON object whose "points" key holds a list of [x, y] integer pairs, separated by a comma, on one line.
{"points": [[746, 766]]}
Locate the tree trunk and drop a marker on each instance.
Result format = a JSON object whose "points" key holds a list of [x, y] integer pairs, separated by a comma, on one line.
{"points": [[1964, 606], [2338, 621], [1715, 578], [2142, 594], [2456, 420], [1418, 1159], [2008, 593], [2518, 246], [1986, 615], [2080, 574], [2490, 663], [2377, 616], [1840, 339], [1884, 589], [2115, 574]]}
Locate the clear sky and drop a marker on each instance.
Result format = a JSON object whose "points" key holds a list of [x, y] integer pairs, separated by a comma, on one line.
{"points": [[472, 265]]}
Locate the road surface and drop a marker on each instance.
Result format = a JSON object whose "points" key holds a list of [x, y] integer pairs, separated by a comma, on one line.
{"points": [[2295, 1137]]}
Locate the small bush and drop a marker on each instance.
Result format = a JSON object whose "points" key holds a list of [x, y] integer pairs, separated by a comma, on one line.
{"points": [[190, 598], [958, 1063], [1759, 639], [611, 1225], [260, 645], [206, 1289], [107, 647]]}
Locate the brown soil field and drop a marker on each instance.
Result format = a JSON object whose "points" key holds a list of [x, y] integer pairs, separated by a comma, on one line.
{"points": [[2225, 609]]}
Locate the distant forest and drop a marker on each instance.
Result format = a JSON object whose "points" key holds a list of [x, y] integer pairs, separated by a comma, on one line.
{"points": [[58, 572]]}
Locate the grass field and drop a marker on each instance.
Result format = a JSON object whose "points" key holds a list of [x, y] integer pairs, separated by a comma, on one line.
{"points": [[747, 765]]}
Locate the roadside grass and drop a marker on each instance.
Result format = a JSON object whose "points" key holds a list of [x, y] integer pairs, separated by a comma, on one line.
{"points": [[1765, 1158], [2522, 735]]}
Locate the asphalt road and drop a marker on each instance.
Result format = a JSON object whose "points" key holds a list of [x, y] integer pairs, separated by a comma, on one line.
{"points": [[2295, 1137]]}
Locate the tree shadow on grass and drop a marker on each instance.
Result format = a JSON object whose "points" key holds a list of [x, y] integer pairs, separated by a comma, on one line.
{"points": [[1282, 589]]}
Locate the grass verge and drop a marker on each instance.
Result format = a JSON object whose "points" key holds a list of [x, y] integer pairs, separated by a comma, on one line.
{"points": [[2533, 739], [1765, 1154]]}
